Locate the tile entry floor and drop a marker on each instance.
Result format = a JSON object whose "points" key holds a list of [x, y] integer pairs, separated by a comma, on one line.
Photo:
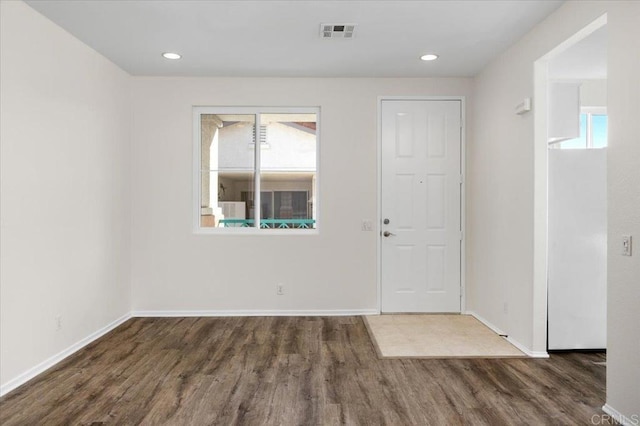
{"points": [[436, 336]]}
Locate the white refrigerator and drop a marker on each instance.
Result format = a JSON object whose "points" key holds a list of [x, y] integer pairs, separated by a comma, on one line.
{"points": [[577, 249]]}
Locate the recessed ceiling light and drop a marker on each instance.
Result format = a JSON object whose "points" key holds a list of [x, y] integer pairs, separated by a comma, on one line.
{"points": [[429, 57], [170, 55]]}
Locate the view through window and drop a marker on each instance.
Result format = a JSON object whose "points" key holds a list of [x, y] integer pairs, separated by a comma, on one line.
{"points": [[593, 131], [270, 174]]}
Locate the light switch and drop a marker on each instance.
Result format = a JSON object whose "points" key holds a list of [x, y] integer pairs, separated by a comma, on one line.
{"points": [[367, 225], [626, 245]]}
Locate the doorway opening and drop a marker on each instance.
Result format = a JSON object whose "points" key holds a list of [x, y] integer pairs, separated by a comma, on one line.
{"points": [[570, 193]]}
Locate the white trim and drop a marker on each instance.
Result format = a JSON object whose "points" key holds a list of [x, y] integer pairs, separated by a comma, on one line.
{"points": [[593, 110], [463, 170], [316, 184], [520, 346], [621, 418], [51, 361], [253, 232], [463, 205], [378, 228], [419, 98], [526, 351], [257, 195], [196, 203], [540, 209], [256, 313], [197, 111]]}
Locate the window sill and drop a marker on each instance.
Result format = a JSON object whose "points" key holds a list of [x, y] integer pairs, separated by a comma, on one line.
{"points": [[255, 232]]}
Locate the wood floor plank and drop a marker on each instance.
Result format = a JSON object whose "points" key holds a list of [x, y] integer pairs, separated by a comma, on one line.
{"points": [[295, 371]]}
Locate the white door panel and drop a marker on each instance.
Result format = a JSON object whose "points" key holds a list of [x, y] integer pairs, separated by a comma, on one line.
{"points": [[421, 145]]}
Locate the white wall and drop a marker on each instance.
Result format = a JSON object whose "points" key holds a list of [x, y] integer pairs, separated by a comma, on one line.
{"points": [[65, 211], [593, 93], [501, 191], [500, 179], [623, 191], [173, 269]]}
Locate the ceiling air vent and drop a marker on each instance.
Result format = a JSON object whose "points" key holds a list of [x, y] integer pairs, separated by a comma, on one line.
{"points": [[337, 30]]}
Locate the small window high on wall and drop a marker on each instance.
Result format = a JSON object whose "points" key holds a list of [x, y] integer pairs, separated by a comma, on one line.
{"points": [[256, 170], [593, 131]]}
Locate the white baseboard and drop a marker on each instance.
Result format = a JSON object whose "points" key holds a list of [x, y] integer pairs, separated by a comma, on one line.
{"points": [[634, 420], [520, 346], [527, 351], [50, 362], [256, 313]]}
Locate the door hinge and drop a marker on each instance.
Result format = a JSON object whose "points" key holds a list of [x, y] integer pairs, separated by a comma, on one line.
{"points": [[461, 178], [461, 235]]}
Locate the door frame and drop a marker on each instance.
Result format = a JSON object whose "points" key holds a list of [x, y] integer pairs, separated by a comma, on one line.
{"points": [[463, 169]]}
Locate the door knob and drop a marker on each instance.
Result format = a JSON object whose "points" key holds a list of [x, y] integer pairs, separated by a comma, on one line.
{"points": [[387, 234]]}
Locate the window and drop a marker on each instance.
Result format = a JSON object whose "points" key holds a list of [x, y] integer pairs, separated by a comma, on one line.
{"points": [[593, 131], [239, 180]]}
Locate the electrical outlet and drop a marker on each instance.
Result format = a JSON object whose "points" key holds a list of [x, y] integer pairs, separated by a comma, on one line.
{"points": [[626, 245], [505, 307], [58, 322], [367, 225], [280, 289]]}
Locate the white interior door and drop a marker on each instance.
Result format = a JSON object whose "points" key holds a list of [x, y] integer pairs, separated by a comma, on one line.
{"points": [[421, 187]]}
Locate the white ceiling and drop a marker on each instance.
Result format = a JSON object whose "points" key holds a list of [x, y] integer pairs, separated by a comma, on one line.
{"points": [[281, 38], [586, 59]]}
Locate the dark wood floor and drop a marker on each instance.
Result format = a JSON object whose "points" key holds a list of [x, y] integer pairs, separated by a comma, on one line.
{"points": [[295, 371]]}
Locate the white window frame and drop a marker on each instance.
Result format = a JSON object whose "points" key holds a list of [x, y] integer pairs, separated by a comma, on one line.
{"points": [[589, 111], [198, 111]]}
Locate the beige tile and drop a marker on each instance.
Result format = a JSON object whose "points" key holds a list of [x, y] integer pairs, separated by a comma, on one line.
{"points": [[436, 336]]}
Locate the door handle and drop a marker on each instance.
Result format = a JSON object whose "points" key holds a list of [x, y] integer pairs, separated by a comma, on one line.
{"points": [[387, 233]]}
